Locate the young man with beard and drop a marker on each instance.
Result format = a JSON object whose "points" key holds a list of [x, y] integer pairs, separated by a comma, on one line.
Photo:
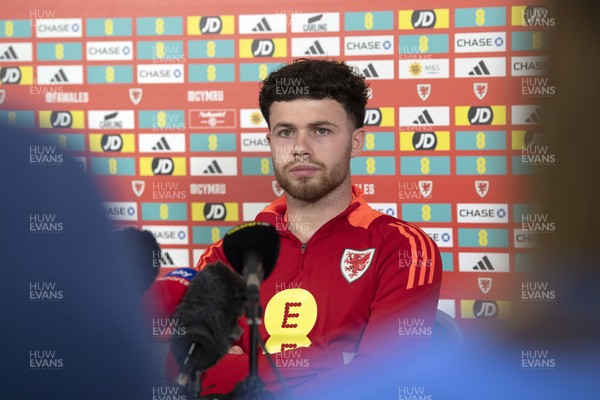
{"points": [[350, 282]]}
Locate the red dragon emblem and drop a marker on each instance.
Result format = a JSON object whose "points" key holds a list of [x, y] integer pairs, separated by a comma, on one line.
{"points": [[355, 263]]}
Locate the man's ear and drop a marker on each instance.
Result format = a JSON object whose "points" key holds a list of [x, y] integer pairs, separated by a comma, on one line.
{"points": [[358, 140], [268, 136]]}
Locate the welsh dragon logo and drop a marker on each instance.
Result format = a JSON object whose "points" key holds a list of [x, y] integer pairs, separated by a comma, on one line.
{"points": [[355, 263]]}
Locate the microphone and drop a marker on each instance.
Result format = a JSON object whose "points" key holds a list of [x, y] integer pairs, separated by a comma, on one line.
{"points": [[209, 313], [166, 292], [252, 249]]}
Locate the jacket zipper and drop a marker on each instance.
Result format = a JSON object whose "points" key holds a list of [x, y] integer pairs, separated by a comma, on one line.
{"points": [[304, 245]]}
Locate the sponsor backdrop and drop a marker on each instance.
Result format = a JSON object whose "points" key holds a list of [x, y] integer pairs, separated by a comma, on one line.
{"points": [[159, 103]]}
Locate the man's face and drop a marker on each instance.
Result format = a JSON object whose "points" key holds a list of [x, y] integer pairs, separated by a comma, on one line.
{"points": [[312, 142]]}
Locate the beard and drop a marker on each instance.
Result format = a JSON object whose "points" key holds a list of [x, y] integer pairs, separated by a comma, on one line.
{"points": [[312, 189]]}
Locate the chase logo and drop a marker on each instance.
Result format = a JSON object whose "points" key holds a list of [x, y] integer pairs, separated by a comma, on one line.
{"points": [[160, 73], [441, 236], [211, 25], [62, 119], [385, 208], [480, 115], [479, 42], [150, 166], [215, 212], [124, 143], [16, 75], [534, 65], [427, 140], [482, 213], [420, 19], [121, 211], [383, 116], [171, 234], [98, 51], [263, 48], [255, 142], [58, 28], [368, 45]]}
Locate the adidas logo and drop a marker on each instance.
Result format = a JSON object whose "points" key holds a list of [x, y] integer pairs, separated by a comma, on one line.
{"points": [[480, 69], [162, 144], [424, 118], [9, 54], [262, 26], [213, 168], [60, 76], [315, 49], [370, 72], [535, 117], [484, 265], [166, 259]]}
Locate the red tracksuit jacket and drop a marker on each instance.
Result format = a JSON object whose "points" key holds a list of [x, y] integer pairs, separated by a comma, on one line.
{"points": [[365, 285]]}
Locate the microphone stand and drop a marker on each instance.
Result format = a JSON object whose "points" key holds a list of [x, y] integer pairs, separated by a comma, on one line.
{"points": [[253, 388]]}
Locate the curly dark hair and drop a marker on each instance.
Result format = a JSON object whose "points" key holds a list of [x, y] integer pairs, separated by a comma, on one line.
{"points": [[316, 79]]}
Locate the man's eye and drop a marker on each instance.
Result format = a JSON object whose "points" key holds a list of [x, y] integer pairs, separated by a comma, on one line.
{"points": [[285, 133], [322, 131]]}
